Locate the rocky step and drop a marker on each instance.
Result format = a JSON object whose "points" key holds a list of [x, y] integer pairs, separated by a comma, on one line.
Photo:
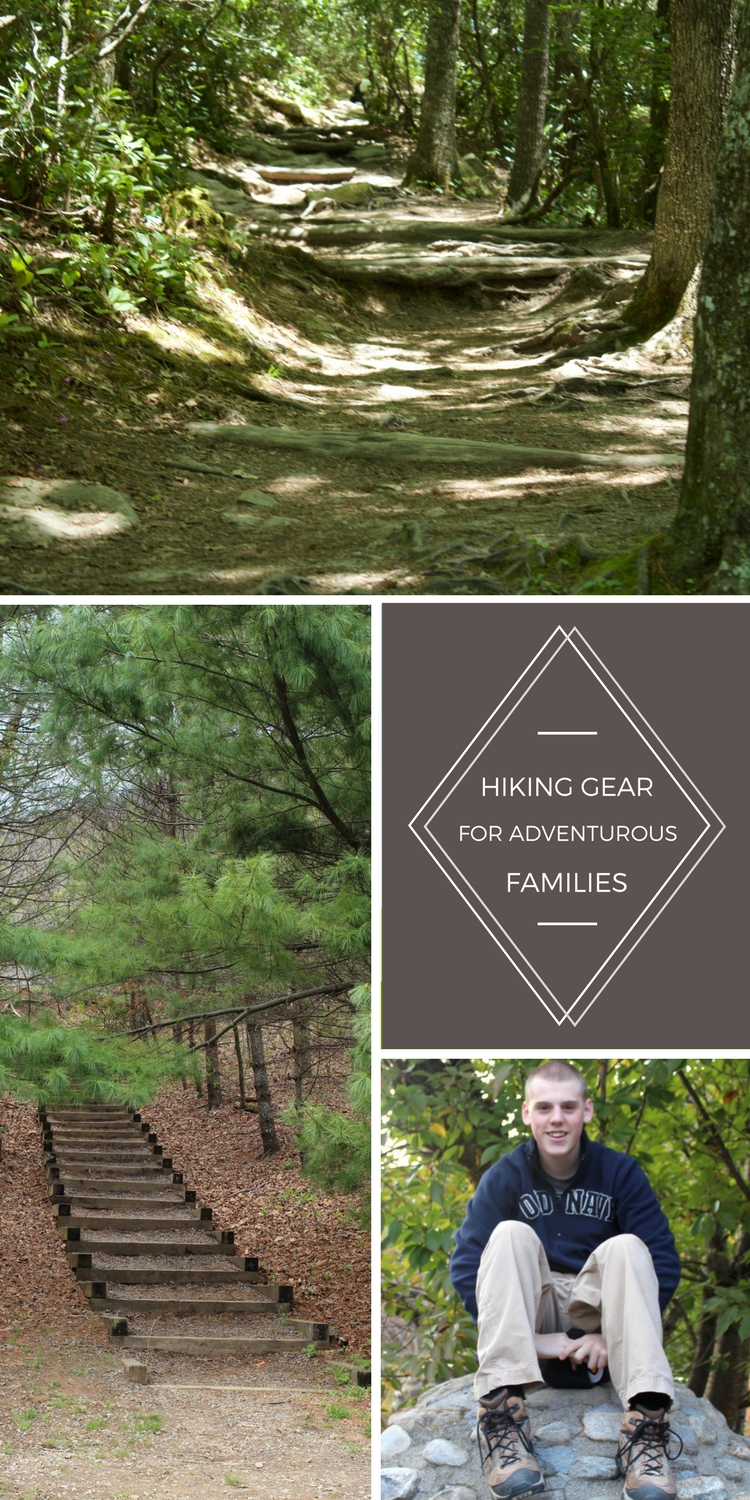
{"points": [[306, 174], [431, 1448]]}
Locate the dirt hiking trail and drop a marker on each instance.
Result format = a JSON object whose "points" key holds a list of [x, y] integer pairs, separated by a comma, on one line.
{"points": [[193, 453]]}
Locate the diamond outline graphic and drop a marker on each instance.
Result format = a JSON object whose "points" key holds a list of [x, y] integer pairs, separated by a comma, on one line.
{"points": [[523, 685]]}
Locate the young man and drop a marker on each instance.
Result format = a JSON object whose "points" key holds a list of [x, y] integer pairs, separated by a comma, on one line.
{"points": [[566, 1256]]}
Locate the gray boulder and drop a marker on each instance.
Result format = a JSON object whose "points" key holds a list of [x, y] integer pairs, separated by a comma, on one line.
{"points": [[575, 1438]]}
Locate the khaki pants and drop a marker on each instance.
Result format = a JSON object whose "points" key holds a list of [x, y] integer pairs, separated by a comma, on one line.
{"points": [[616, 1292]]}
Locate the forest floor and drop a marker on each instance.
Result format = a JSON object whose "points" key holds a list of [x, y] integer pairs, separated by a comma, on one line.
{"points": [[414, 314], [275, 1426]]}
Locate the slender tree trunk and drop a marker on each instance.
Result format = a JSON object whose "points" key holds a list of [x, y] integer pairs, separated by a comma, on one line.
{"points": [[262, 1092], [485, 72], [532, 106], [191, 1043], [606, 178], [62, 76], [727, 1382], [711, 531], [700, 78], [653, 156], [240, 1065], [213, 1078], [302, 1055], [434, 157], [177, 1033], [701, 1366]]}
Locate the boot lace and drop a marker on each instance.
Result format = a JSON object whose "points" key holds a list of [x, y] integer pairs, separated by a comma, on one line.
{"points": [[501, 1432], [652, 1439]]}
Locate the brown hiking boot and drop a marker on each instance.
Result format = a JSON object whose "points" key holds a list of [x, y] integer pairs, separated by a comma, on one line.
{"points": [[643, 1455], [504, 1437]]}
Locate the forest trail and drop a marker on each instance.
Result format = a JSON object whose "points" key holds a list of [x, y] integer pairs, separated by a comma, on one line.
{"points": [[146, 1253], [363, 309], [70, 1424]]}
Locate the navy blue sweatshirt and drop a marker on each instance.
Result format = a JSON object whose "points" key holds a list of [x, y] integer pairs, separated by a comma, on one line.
{"points": [[610, 1194]]}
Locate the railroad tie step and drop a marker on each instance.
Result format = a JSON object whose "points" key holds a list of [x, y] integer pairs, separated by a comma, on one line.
{"points": [[115, 1195]]}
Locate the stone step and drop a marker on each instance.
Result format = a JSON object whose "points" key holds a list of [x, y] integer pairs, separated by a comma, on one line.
{"points": [[206, 1346]]}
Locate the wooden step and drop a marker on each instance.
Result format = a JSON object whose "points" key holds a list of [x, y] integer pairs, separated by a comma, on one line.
{"points": [[146, 1247], [79, 1202], [83, 1187], [157, 1277], [174, 1344], [130, 1221], [179, 1306]]}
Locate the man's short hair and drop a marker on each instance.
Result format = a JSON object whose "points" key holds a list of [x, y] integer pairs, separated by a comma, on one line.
{"points": [[557, 1071]]}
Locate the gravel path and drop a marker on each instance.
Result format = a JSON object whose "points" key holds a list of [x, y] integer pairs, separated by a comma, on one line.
{"points": [[80, 1432]]}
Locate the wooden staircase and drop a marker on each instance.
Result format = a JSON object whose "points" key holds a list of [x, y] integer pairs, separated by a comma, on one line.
{"points": [[130, 1223]]}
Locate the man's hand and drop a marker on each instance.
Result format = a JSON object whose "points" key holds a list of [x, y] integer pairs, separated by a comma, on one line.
{"points": [[590, 1350]]}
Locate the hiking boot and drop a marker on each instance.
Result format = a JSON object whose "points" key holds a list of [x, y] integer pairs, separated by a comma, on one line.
{"points": [[504, 1437], [643, 1455]]}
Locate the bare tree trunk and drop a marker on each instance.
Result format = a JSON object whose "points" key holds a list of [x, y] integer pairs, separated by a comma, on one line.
{"points": [[262, 1092], [701, 73], [213, 1078], [191, 1043], [62, 76], [727, 1382], [653, 157], [240, 1065], [606, 179], [302, 1055], [532, 106], [701, 1366], [177, 1034], [711, 531], [434, 157]]}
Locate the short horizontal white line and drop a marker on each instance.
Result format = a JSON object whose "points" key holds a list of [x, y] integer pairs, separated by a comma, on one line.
{"points": [[568, 731], [567, 924]]}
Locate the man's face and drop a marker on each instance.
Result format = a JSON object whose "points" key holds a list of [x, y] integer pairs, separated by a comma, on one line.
{"points": [[556, 1114]]}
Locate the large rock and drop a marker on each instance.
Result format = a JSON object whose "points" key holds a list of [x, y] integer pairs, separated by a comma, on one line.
{"points": [[575, 1437]]}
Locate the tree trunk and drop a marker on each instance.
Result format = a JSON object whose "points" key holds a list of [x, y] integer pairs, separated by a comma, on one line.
{"points": [[191, 1043], [213, 1077], [532, 106], [700, 77], [727, 1382], [302, 1056], [606, 179], [262, 1092], [240, 1065], [711, 531], [494, 115], [701, 1366], [433, 160], [653, 156]]}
